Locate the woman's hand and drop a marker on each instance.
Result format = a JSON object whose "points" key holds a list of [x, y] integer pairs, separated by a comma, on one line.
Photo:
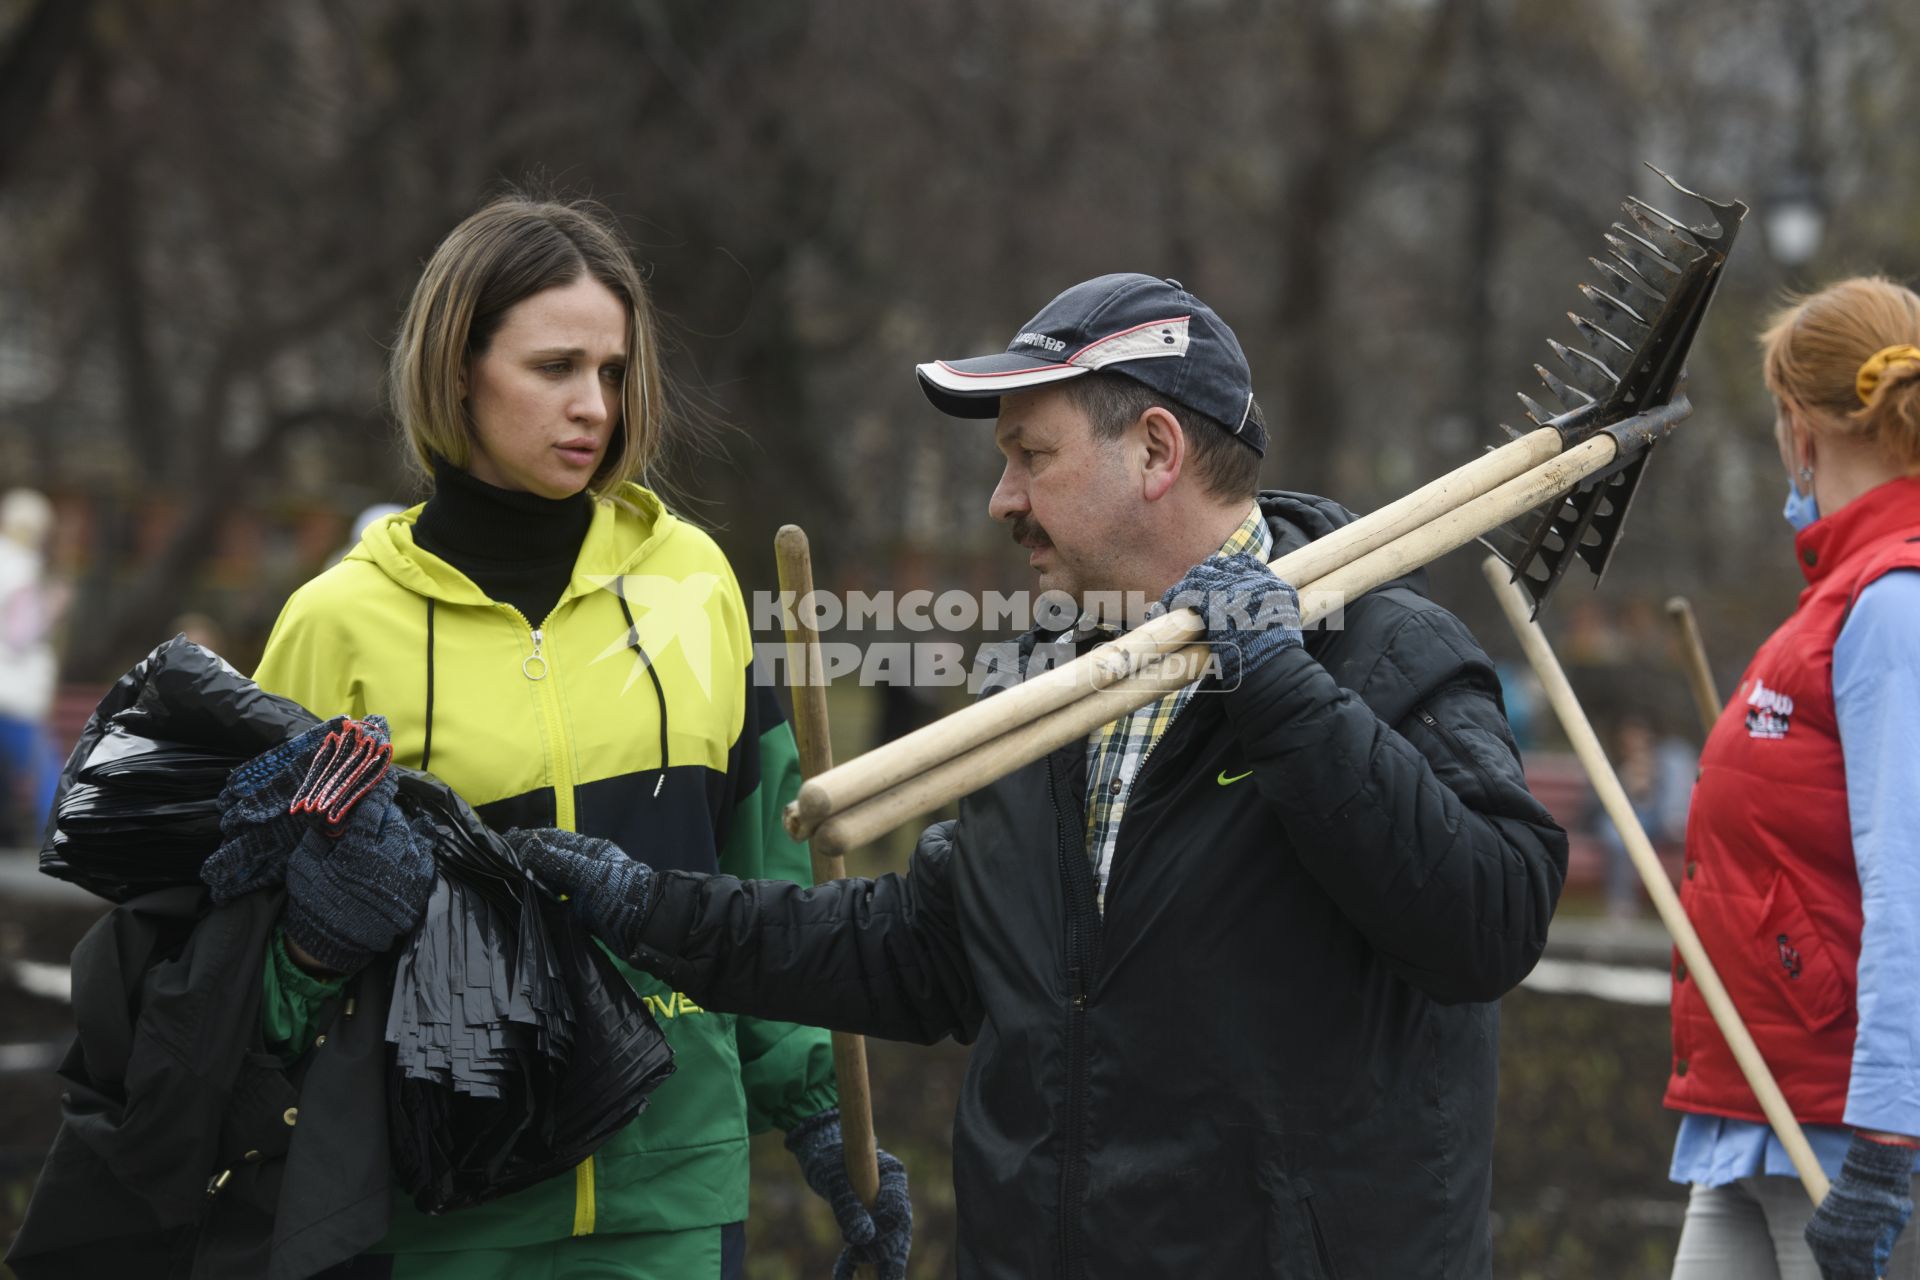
{"points": [[879, 1237], [358, 880], [1851, 1234]]}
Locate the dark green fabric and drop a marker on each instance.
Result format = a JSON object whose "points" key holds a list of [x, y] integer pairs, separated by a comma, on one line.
{"points": [[701, 1253], [291, 998]]}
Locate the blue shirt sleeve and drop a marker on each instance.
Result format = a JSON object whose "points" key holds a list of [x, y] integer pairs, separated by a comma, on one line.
{"points": [[1876, 691]]}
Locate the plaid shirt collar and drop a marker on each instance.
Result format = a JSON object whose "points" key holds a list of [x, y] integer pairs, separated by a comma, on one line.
{"points": [[1252, 535]]}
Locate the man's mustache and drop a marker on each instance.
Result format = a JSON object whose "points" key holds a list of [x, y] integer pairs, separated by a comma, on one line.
{"points": [[1028, 533]]}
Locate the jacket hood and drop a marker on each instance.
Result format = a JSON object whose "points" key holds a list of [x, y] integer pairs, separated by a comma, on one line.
{"points": [[1295, 519], [628, 526]]}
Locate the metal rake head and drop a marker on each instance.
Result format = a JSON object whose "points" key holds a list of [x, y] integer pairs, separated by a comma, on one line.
{"points": [[1627, 358]]}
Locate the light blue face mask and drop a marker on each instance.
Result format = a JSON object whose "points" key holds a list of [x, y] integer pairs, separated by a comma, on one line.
{"points": [[1801, 509]]}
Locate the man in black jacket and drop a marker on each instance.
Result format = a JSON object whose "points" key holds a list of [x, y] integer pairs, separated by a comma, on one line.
{"points": [[1228, 966]]}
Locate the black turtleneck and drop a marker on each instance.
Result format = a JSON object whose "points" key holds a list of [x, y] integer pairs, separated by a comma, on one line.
{"points": [[519, 548]]}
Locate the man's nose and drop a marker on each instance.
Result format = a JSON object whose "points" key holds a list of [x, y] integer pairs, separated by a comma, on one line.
{"points": [[1009, 499]]}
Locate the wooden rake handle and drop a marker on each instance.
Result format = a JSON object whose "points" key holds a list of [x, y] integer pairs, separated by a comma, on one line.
{"points": [[806, 678], [1693, 657], [986, 722], [1146, 669], [1613, 796]]}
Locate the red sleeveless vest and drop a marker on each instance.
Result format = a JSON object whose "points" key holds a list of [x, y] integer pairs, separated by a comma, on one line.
{"points": [[1770, 882]]}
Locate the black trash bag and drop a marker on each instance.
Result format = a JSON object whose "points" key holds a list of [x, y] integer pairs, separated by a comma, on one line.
{"points": [[516, 1046], [137, 805]]}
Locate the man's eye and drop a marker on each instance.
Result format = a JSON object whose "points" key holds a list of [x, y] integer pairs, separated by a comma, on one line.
{"points": [[555, 366], [614, 373]]}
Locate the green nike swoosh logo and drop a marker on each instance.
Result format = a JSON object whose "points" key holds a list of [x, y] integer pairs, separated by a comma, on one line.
{"points": [[1224, 780]]}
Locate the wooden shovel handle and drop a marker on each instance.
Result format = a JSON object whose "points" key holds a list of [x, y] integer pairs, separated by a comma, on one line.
{"points": [[806, 678], [1693, 659], [1700, 970]]}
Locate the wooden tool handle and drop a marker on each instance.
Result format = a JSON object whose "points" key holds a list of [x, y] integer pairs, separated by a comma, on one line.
{"points": [[983, 722], [806, 678], [1693, 658], [948, 778], [1613, 796]]}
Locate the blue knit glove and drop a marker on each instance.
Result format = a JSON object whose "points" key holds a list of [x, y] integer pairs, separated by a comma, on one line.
{"points": [[1250, 614], [1851, 1234], [257, 834], [352, 896], [879, 1239], [612, 891]]}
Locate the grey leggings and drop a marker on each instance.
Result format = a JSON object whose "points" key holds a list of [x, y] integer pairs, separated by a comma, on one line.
{"points": [[1750, 1230]]}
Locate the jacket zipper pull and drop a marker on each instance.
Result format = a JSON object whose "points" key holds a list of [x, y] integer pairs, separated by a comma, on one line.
{"points": [[534, 665], [1079, 990]]}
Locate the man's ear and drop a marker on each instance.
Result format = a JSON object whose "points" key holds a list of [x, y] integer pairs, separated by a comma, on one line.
{"points": [[1163, 446]]}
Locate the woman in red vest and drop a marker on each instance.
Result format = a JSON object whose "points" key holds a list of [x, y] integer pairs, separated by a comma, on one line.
{"points": [[1803, 845]]}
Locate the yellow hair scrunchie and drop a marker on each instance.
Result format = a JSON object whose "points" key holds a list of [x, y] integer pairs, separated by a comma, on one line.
{"points": [[1876, 367]]}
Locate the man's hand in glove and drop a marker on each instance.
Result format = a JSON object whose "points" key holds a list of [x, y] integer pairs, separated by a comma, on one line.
{"points": [[878, 1238], [1250, 614], [1852, 1232], [358, 880], [610, 890]]}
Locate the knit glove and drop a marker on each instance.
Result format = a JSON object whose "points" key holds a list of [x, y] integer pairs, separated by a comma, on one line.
{"points": [[610, 890], [879, 1239], [257, 834], [1851, 1234], [350, 896], [1250, 614]]}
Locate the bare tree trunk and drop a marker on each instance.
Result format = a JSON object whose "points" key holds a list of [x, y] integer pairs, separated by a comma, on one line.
{"points": [[139, 617], [1486, 175], [1335, 148], [48, 38], [1310, 403]]}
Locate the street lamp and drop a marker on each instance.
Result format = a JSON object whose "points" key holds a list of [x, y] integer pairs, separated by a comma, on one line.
{"points": [[1795, 220]]}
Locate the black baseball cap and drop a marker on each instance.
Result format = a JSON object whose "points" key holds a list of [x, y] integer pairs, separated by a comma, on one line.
{"points": [[1149, 329]]}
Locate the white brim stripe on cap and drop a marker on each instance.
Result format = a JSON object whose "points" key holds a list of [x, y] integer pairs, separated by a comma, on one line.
{"points": [[1148, 341], [1141, 342], [943, 375]]}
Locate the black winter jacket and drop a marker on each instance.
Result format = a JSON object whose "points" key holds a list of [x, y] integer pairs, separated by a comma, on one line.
{"points": [[180, 1151], [1275, 1053]]}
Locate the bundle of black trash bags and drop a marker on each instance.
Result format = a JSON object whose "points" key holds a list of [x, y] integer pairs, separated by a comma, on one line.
{"points": [[516, 1046]]}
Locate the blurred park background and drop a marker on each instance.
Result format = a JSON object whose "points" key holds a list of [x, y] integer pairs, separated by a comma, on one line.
{"points": [[211, 212]]}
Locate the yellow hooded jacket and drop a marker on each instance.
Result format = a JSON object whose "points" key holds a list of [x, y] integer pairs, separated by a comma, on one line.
{"points": [[652, 734]]}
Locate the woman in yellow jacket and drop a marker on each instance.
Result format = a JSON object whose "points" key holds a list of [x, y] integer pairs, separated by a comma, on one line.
{"points": [[551, 641]]}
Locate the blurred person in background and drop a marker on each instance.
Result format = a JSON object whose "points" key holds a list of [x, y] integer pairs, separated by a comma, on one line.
{"points": [[204, 630], [548, 638], [29, 606], [361, 523], [1803, 847], [1656, 771]]}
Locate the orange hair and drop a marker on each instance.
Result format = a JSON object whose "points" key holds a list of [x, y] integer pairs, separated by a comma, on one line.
{"points": [[1814, 349]]}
